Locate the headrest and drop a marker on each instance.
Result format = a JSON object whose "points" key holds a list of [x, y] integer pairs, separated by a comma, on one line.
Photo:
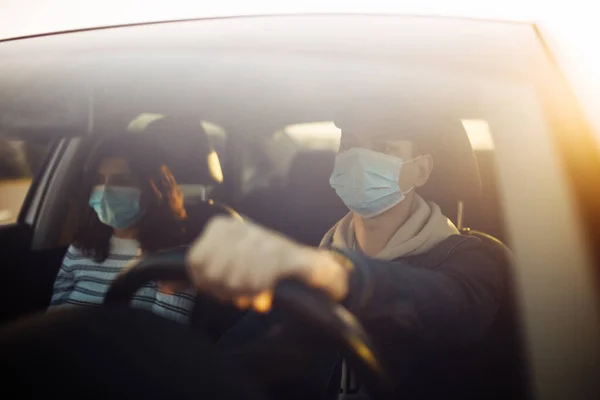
{"points": [[186, 149], [455, 173]]}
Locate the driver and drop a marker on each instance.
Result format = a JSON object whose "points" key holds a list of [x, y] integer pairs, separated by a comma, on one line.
{"points": [[425, 294]]}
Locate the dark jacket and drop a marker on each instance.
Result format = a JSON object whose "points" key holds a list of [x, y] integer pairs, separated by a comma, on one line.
{"points": [[430, 316]]}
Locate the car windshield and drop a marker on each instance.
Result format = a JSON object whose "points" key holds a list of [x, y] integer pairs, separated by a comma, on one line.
{"points": [[264, 101], [252, 118]]}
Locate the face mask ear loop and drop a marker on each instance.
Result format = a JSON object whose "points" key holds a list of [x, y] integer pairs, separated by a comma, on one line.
{"points": [[412, 159], [409, 190], [404, 162]]}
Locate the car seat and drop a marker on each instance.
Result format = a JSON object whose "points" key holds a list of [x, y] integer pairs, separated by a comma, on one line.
{"points": [[192, 160], [304, 207], [314, 207], [485, 212]]}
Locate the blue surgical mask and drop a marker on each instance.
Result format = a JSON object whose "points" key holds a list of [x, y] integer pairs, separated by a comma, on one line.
{"points": [[367, 181], [116, 206]]}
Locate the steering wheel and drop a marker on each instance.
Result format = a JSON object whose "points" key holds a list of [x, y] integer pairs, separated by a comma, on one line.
{"points": [[297, 303]]}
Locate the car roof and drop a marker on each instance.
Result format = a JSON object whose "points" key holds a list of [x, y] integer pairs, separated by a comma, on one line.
{"points": [[66, 15]]}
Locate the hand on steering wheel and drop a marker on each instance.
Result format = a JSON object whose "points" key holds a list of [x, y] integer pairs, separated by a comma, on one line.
{"points": [[242, 263], [248, 265]]}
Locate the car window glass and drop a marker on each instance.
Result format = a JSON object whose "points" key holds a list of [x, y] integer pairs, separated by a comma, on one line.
{"points": [[20, 161], [326, 136], [314, 135], [257, 165], [267, 163]]}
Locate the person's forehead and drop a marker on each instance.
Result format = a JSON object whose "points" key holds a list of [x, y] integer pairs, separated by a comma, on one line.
{"points": [[114, 166]]}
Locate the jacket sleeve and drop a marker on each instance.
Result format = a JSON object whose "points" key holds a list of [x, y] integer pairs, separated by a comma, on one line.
{"points": [[453, 304]]}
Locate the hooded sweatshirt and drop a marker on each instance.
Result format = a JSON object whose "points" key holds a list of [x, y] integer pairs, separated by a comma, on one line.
{"points": [[424, 229]]}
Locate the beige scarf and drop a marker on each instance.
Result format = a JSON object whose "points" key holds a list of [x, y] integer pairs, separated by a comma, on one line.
{"points": [[425, 228]]}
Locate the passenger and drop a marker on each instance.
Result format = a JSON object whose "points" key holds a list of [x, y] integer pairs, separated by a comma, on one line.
{"points": [[425, 294], [132, 206]]}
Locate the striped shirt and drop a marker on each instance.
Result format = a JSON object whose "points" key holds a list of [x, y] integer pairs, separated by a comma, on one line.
{"points": [[81, 281]]}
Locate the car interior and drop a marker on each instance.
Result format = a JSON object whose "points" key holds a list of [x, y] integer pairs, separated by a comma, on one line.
{"points": [[248, 163], [303, 206]]}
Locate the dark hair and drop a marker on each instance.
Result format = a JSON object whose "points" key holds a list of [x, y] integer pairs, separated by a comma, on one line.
{"points": [[160, 227]]}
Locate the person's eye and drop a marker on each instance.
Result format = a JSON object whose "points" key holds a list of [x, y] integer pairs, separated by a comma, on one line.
{"points": [[123, 180]]}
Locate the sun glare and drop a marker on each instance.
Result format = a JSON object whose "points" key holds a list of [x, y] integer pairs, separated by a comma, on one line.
{"points": [[572, 26]]}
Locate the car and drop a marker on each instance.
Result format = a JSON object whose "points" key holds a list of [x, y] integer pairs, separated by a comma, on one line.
{"points": [[266, 91]]}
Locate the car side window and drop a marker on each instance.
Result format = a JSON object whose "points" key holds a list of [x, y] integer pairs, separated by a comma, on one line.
{"points": [[20, 161], [319, 135], [266, 161]]}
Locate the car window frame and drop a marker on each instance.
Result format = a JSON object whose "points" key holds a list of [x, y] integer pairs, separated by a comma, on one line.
{"points": [[554, 297], [36, 177], [48, 199], [38, 180]]}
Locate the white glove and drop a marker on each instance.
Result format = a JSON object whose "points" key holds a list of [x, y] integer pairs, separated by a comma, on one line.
{"points": [[242, 262]]}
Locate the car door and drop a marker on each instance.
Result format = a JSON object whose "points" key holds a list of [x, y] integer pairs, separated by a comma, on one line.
{"points": [[27, 166]]}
